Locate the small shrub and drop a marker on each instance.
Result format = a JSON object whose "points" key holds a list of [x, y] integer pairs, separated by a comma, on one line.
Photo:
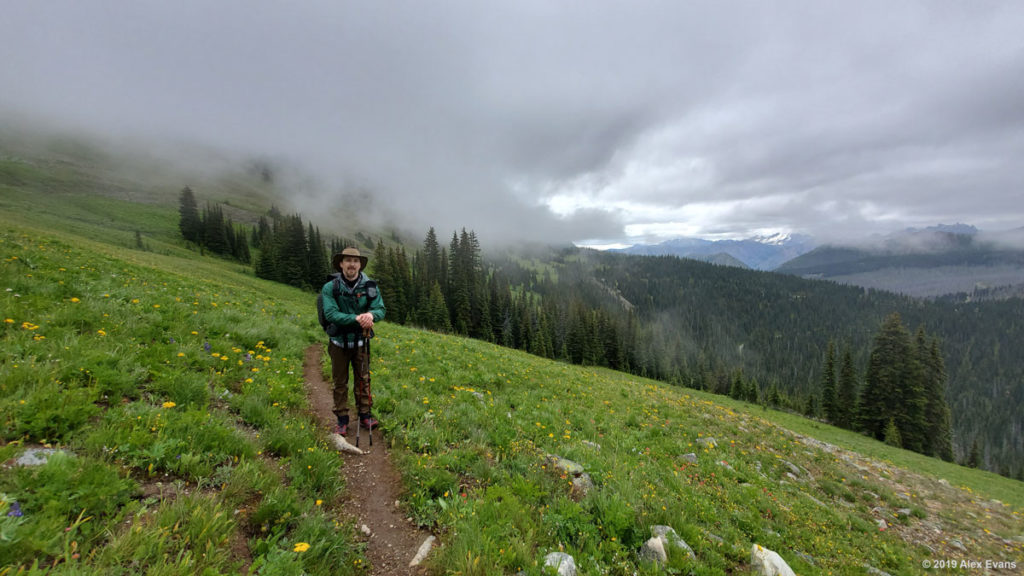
{"points": [[287, 437], [50, 412], [189, 390], [277, 511], [316, 472], [331, 546]]}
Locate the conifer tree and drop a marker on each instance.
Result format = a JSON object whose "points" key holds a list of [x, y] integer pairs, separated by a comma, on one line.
{"points": [[736, 391], [190, 223], [214, 236], [894, 387], [974, 458], [318, 262], [891, 436], [265, 266], [291, 251], [829, 399], [938, 418], [846, 402], [811, 407], [437, 311], [752, 393], [911, 414], [432, 260]]}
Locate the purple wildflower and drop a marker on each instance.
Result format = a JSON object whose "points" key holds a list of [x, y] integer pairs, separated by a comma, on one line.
{"points": [[15, 510], [206, 346]]}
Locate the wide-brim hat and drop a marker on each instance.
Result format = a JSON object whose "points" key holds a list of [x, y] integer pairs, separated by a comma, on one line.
{"points": [[336, 259]]}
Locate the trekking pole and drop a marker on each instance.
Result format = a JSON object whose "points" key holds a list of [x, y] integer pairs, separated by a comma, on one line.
{"points": [[366, 350]]}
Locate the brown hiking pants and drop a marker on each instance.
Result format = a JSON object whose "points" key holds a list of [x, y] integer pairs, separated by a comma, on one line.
{"points": [[359, 360]]}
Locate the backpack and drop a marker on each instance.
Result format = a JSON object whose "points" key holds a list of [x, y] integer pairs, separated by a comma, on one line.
{"points": [[333, 329], [329, 328]]}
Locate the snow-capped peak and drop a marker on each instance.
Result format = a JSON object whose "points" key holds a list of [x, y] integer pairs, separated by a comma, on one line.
{"points": [[777, 239]]}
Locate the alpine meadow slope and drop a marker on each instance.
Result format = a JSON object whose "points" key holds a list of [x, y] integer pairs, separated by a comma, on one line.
{"points": [[164, 390]]}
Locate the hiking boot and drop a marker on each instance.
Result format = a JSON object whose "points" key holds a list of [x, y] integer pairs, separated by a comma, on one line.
{"points": [[367, 421], [341, 428]]}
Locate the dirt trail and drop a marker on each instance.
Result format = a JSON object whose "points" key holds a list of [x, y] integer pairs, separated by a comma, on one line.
{"points": [[372, 489]]}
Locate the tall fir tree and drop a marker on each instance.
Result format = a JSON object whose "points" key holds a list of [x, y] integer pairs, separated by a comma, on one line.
{"points": [[974, 457], [214, 236], [317, 260], [190, 224], [880, 398], [460, 284], [829, 398], [846, 402], [937, 414], [913, 402]]}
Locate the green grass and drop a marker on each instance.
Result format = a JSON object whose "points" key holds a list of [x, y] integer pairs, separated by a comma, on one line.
{"points": [[142, 368], [172, 383], [477, 423]]}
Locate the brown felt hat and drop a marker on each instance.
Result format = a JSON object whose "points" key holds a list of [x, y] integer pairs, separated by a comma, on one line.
{"points": [[336, 259]]}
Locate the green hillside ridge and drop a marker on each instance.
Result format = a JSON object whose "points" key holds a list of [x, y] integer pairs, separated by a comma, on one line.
{"points": [[171, 384]]}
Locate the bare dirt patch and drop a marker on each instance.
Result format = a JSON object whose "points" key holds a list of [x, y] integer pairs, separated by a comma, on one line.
{"points": [[372, 486]]}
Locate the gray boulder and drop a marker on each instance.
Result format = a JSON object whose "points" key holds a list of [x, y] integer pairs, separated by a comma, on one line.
{"points": [[562, 562], [663, 543], [768, 563]]}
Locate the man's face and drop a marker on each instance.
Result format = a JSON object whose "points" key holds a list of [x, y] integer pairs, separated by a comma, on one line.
{"points": [[350, 267]]}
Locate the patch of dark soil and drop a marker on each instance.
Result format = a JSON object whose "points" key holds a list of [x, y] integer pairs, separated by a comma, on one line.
{"points": [[373, 486]]}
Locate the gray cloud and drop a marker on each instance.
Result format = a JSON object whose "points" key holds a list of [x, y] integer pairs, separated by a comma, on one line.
{"points": [[563, 121]]}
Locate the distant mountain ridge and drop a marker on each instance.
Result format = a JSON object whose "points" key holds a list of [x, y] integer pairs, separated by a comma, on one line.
{"points": [[935, 261], [759, 252]]}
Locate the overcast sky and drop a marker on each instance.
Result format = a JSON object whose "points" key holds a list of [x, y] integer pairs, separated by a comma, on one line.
{"points": [[594, 122]]}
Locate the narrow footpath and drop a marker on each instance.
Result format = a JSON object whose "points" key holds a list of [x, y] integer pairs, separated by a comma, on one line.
{"points": [[372, 486]]}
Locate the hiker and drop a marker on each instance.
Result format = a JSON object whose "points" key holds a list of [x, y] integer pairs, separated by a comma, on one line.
{"points": [[353, 311]]}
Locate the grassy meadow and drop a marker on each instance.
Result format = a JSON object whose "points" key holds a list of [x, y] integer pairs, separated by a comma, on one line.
{"points": [[169, 388]]}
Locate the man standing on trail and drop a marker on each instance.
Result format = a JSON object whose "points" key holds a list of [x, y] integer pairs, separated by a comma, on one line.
{"points": [[352, 303]]}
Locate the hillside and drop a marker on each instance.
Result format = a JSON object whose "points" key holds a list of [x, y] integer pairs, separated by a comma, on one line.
{"points": [[701, 325], [676, 320], [165, 391], [172, 388]]}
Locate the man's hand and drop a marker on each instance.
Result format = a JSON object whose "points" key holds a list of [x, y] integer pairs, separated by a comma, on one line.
{"points": [[365, 320]]}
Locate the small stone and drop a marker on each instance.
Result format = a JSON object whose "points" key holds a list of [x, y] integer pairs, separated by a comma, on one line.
{"points": [[581, 486], [36, 456], [566, 465], [424, 549], [562, 562], [654, 551], [768, 563]]}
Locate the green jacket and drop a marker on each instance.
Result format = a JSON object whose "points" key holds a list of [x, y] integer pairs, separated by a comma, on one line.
{"points": [[351, 302]]}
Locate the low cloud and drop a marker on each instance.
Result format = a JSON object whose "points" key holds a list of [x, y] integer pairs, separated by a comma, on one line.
{"points": [[559, 123]]}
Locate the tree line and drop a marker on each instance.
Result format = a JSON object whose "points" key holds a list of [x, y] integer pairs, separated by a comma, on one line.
{"points": [[211, 230]]}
